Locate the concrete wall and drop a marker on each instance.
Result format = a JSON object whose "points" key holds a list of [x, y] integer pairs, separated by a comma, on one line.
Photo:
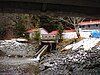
{"points": [[89, 27], [85, 34], [69, 35], [85, 30], [48, 36]]}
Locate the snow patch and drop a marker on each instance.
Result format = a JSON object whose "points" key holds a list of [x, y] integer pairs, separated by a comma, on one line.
{"points": [[85, 43]]}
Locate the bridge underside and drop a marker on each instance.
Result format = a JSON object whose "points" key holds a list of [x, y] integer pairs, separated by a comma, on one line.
{"points": [[34, 7]]}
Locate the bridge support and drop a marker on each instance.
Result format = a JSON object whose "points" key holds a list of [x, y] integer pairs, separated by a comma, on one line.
{"points": [[51, 45]]}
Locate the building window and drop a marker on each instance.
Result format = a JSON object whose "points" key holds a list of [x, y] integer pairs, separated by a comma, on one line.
{"points": [[82, 26], [89, 26], [96, 25]]}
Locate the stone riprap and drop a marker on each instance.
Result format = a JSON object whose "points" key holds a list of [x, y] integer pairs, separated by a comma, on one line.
{"points": [[75, 62]]}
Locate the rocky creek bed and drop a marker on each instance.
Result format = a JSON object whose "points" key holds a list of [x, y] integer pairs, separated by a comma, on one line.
{"points": [[74, 62]]}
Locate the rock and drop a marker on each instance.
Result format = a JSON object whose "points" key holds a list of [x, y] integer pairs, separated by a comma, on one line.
{"points": [[75, 62], [2, 53]]}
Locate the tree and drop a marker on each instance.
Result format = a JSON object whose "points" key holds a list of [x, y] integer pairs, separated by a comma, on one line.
{"points": [[7, 25], [27, 21], [70, 20], [55, 20], [60, 29], [75, 22], [36, 23]]}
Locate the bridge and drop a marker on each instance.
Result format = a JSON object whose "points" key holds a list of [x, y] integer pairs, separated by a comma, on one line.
{"points": [[84, 7]]}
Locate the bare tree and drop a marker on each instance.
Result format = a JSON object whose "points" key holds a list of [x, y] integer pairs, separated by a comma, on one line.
{"points": [[75, 22]]}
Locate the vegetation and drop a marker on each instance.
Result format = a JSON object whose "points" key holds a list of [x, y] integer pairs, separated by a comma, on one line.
{"points": [[98, 43], [60, 29], [15, 24], [7, 24], [36, 35], [2, 32], [20, 28], [73, 21], [66, 42]]}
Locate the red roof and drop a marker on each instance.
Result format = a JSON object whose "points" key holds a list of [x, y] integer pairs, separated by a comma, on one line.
{"points": [[32, 30], [90, 22], [35, 29], [72, 30], [54, 32]]}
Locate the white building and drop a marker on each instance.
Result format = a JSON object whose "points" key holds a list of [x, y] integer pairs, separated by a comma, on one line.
{"points": [[85, 28], [50, 36], [68, 34], [41, 30]]}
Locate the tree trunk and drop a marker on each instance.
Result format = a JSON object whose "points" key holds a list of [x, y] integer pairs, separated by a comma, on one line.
{"points": [[9, 34], [78, 34], [77, 31]]}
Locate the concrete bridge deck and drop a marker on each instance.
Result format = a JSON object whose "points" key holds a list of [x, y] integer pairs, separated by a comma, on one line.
{"points": [[87, 7]]}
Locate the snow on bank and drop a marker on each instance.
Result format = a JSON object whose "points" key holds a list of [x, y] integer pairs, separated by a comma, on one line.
{"points": [[85, 43]]}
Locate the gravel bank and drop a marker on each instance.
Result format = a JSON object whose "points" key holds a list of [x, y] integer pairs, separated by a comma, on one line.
{"points": [[13, 48]]}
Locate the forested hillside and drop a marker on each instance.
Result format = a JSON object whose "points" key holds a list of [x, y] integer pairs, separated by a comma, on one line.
{"points": [[15, 24]]}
